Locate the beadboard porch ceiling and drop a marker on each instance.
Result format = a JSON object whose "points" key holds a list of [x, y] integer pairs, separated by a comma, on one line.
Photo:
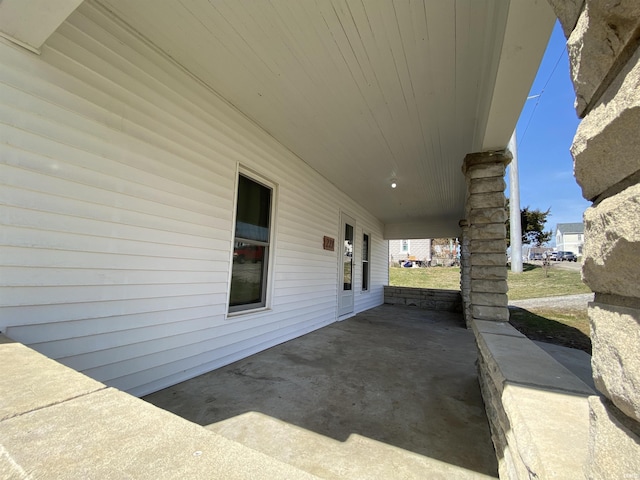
{"points": [[365, 91]]}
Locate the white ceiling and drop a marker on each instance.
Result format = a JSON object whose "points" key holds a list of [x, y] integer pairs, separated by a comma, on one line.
{"points": [[365, 90]]}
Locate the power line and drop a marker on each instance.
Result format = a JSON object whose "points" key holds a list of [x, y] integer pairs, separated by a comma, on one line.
{"points": [[539, 95]]}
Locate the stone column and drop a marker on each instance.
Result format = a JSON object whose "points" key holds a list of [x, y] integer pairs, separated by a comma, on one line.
{"points": [[605, 69], [465, 271], [486, 217]]}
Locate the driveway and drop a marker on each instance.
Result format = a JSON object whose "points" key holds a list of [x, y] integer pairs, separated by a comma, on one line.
{"points": [[568, 265], [563, 265], [560, 302]]}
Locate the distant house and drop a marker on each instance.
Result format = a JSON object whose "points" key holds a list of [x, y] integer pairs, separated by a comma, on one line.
{"points": [[570, 237], [425, 250], [417, 249]]}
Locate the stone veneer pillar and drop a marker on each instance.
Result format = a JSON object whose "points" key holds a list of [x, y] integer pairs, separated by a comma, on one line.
{"points": [[603, 40], [486, 216], [465, 271]]}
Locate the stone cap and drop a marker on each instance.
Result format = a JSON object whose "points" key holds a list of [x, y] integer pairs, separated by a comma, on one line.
{"points": [[502, 157], [516, 360]]}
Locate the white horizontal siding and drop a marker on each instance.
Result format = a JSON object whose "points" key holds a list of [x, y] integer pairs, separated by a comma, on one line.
{"points": [[117, 185]]}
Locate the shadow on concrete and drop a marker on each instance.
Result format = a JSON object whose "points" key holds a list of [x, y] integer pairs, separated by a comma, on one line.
{"points": [[398, 375]]}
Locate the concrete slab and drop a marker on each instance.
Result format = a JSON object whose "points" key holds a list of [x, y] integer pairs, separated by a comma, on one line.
{"points": [[351, 396], [34, 381], [357, 457], [109, 434]]}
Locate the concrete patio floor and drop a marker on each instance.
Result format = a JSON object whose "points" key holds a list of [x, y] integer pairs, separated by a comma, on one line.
{"points": [[390, 393]]}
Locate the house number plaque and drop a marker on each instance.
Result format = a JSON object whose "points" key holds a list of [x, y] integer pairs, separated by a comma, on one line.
{"points": [[328, 243]]}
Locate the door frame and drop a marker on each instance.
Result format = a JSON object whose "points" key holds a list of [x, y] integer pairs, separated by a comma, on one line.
{"points": [[344, 312]]}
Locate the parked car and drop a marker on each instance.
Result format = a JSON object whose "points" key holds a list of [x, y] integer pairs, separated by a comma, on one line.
{"points": [[550, 255], [567, 256]]}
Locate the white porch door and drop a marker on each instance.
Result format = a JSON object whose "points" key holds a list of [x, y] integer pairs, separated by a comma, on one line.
{"points": [[346, 265]]}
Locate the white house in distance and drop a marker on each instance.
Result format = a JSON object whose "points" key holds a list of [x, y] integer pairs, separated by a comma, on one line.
{"points": [[570, 237], [417, 249]]}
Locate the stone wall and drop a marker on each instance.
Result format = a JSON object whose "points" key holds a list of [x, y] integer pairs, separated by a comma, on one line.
{"points": [[537, 409], [425, 298], [603, 39]]}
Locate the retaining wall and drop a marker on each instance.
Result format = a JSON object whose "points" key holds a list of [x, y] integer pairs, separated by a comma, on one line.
{"points": [[425, 298], [538, 410]]}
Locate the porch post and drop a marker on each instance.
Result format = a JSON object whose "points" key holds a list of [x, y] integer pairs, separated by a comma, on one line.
{"points": [[465, 271], [604, 55], [486, 216]]}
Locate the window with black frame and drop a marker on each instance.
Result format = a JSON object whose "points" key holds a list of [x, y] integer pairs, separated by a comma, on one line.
{"points": [[365, 262], [251, 246]]}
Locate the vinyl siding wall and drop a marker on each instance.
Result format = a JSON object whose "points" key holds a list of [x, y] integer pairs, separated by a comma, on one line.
{"points": [[118, 177]]}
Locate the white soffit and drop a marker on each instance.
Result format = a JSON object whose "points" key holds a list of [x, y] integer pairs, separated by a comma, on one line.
{"points": [[30, 22], [364, 91]]}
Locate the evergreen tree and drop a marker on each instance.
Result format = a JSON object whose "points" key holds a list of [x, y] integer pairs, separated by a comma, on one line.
{"points": [[533, 222]]}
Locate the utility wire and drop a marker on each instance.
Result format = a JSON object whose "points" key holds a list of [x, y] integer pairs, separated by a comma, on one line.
{"points": [[539, 95]]}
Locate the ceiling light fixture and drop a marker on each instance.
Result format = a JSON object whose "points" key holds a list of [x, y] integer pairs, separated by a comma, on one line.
{"points": [[394, 184]]}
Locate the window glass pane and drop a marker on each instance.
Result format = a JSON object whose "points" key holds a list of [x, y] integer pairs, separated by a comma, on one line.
{"points": [[365, 248], [251, 248], [248, 274], [254, 208], [348, 256], [365, 276], [365, 262]]}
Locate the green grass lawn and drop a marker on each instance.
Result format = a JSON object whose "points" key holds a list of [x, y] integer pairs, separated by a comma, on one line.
{"points": [[561, 326], [532, 283], [447, 278]]}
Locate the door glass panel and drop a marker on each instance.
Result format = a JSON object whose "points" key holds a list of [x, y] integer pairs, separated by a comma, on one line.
{"points": [[348, 256]]}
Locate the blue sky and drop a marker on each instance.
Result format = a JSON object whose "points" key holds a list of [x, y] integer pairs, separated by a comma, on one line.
{"points": [[545, 131]]}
